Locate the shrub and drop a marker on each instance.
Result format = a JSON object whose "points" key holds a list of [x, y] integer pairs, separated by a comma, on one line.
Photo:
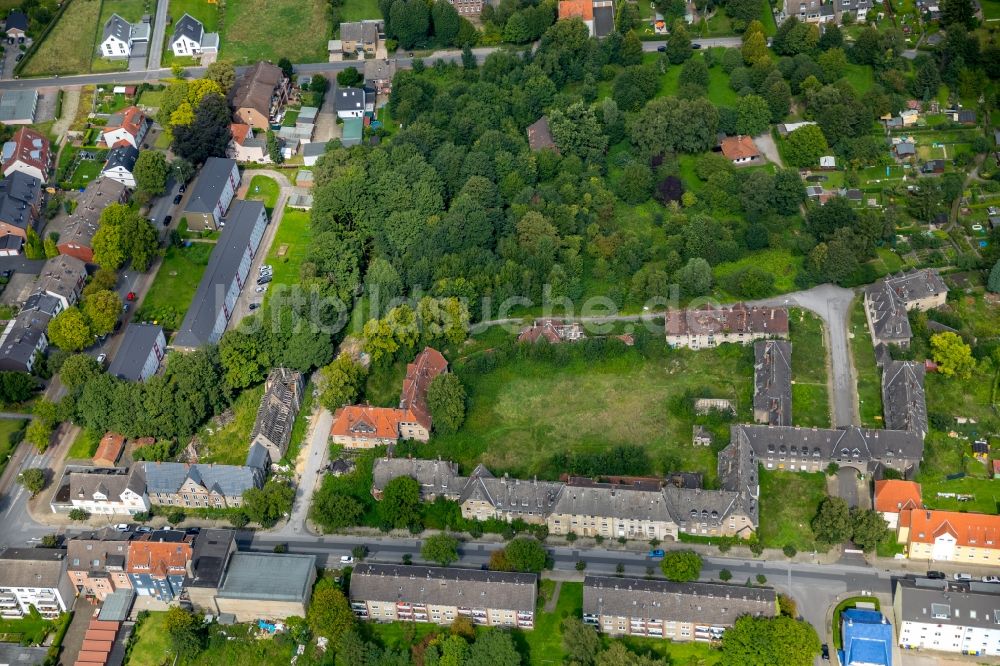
{"points": [[789, 550], [581, 565]]}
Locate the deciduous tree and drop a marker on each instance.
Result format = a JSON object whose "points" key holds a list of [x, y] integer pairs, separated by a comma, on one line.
{"points": [[329, 613], [441, 549], [33, 480], [400, 503], [952, 355], [102, 309], [832, 523], [446, 400], [868, 528], [804, 147], [151, 173], [753, 115], [184, 631], [340, 382], [760, 640], [69, 330], [268, 504], [681, 566], [580, 641]]}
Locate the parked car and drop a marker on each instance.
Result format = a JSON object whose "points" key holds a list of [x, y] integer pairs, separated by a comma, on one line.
{"points": [[143, 529], [937, 575], [121, 527], [167, 220], [963, 577], [19, 56], [178, 198], [991, 579], [661, 49], [825, 651], [261, 289], [101, 358], [254, 306], [125, 308], [347, 559], [183, 188], [696, 46], [656, 554], [263, 279], [130, 296], [266, 268]]}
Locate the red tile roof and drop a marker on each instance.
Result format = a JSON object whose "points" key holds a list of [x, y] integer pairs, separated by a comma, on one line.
{"points": [[366, 422], [130, 119], [969, 529], [739, 147], [110, 449], [425, 367], [30, 147], [159, 558], [581, 9], [240, 132], [894, 495]]}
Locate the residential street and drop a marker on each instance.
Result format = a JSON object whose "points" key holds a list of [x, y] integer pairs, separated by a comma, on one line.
{"points": [[157, 35], [315, 453]]}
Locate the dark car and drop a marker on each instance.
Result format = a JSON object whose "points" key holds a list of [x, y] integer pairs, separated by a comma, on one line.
{"points": [[167, 219], [254, 306], [177, 199], [263, 279], [193, 530], [661, 49], [937, 575], [825, 652], [696, 46], [19, 56], [183, 188]]}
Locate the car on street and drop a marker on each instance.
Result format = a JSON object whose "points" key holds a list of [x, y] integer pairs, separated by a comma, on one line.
{"points": [[125, 308], [263, 279], [261, 289], [183, 188], [167, 220], [963, 577], [121, 527], [661, 49], [19, 56], [656, 554], [130, 296], [266, 268], [254, 306], [825, 651], [101, 358], [347, 559], [178, 198], [936, 575], [991, 579], [143, 529], [696, 46]]}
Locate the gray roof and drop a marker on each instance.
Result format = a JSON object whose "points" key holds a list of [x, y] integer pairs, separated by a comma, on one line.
{"points": [[124, 156], [772, 391], [714, 604], [18, 105], [905, 148], [96, 552], [19, 341], [604, 19], [852, 442], [349, 99], [61, 276], [13, 654], [257, 456], [196, 329], [209, 558], [190, 27], [83, 486], [307, 114], [41, 303], [227, 480], [313, 148], [117, 605], [903, 396], [119, 28], [139, 340], [518, 496], [211, 182], [81, 226], [889, 298], [360, 31], [32, 567], [278, 408], [436, 477], [617, 502], [19, 195], [947, 602], [444, 586], [268, 576], [17, 19]]}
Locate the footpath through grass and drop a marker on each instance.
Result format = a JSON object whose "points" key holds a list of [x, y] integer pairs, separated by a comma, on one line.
{"points": [[171, 292], [810, 391]]}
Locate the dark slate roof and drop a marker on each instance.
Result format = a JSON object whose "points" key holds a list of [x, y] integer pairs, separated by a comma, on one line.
{"points": [[118, 27], [444, 586], [211, 182], [946, 602], [852, 442], [269, 577], [228, 480], [124, 156], [17, 20], [772, 390], [190, 27], [196, 329], [604, 20], [349, 99], [889, 297], [132, 354], [18, 345], [436, 477], [714, 604], [18, 193], [208, 561], [257, 456], [278, 407], [903, 396]]}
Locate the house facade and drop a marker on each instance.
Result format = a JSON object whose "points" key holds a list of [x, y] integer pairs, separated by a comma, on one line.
{"points": [[740, 150], [21, 201], [110, 494], [157, 563], [28, 152], [260, 95], [34, 577], [127, 127], [200, 485], [245, 147], [349, 103], [190, 38], [710, 327], [96, 563], [674, 611], [895, 496], [950, 536], [946, 616], [441, 595], [120, 165], [217, 184], [360, 37]]}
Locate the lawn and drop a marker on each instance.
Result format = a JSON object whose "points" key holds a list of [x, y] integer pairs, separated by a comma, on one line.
{"points": [[170, 295], [357, 10], [301, 425], [527, 411], [860, 77], [719, 92], [30, 630], [779, 262], [229, 444], [290, 246], [85, 171], [867, 373], [263, 188], [273, 29], [810, 392], [70, 45], [85, 445], [11, 431], [991, 10], [151, 642], [788, 503], [151, 98]]}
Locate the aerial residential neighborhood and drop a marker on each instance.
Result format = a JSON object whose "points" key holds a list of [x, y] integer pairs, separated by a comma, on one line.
{"points": [[580, 332]]}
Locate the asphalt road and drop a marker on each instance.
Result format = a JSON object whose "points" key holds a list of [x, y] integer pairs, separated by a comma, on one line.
{"points": [[156, 39]]}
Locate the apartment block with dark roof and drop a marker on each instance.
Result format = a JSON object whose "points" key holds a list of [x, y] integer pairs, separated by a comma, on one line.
{"points": [[76, 231], [63, 278], [96, 563], [214, 190], [772, 388], [674, 611], [903, 399], [212, 551], [947, 616], [888, 301], [200, 486], [20, 204], [440, 595], [142, 351]]}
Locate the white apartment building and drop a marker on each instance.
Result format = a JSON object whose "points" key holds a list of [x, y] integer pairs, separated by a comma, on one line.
{"points": [[34, 577], [110, 494], [943, 615]]}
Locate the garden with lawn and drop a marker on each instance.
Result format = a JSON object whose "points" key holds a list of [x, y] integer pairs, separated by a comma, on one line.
{"points": [[273, 29], [527, 411], [869, 378], [264, 188], [206, 12], [290, 246], [29, 630], [810, 387], [130, 10], [788, 503], [85, 445], [229, 443], [170, 295]]}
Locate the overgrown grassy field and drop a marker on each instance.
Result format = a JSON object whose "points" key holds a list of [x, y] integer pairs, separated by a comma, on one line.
{"points": [[868, 376], [526, 411], [85, 445], [788, 503], [229, 444], [70, 46], [779, 262], [943, 456], [810, 390], [272, 29], [170, 295]]}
